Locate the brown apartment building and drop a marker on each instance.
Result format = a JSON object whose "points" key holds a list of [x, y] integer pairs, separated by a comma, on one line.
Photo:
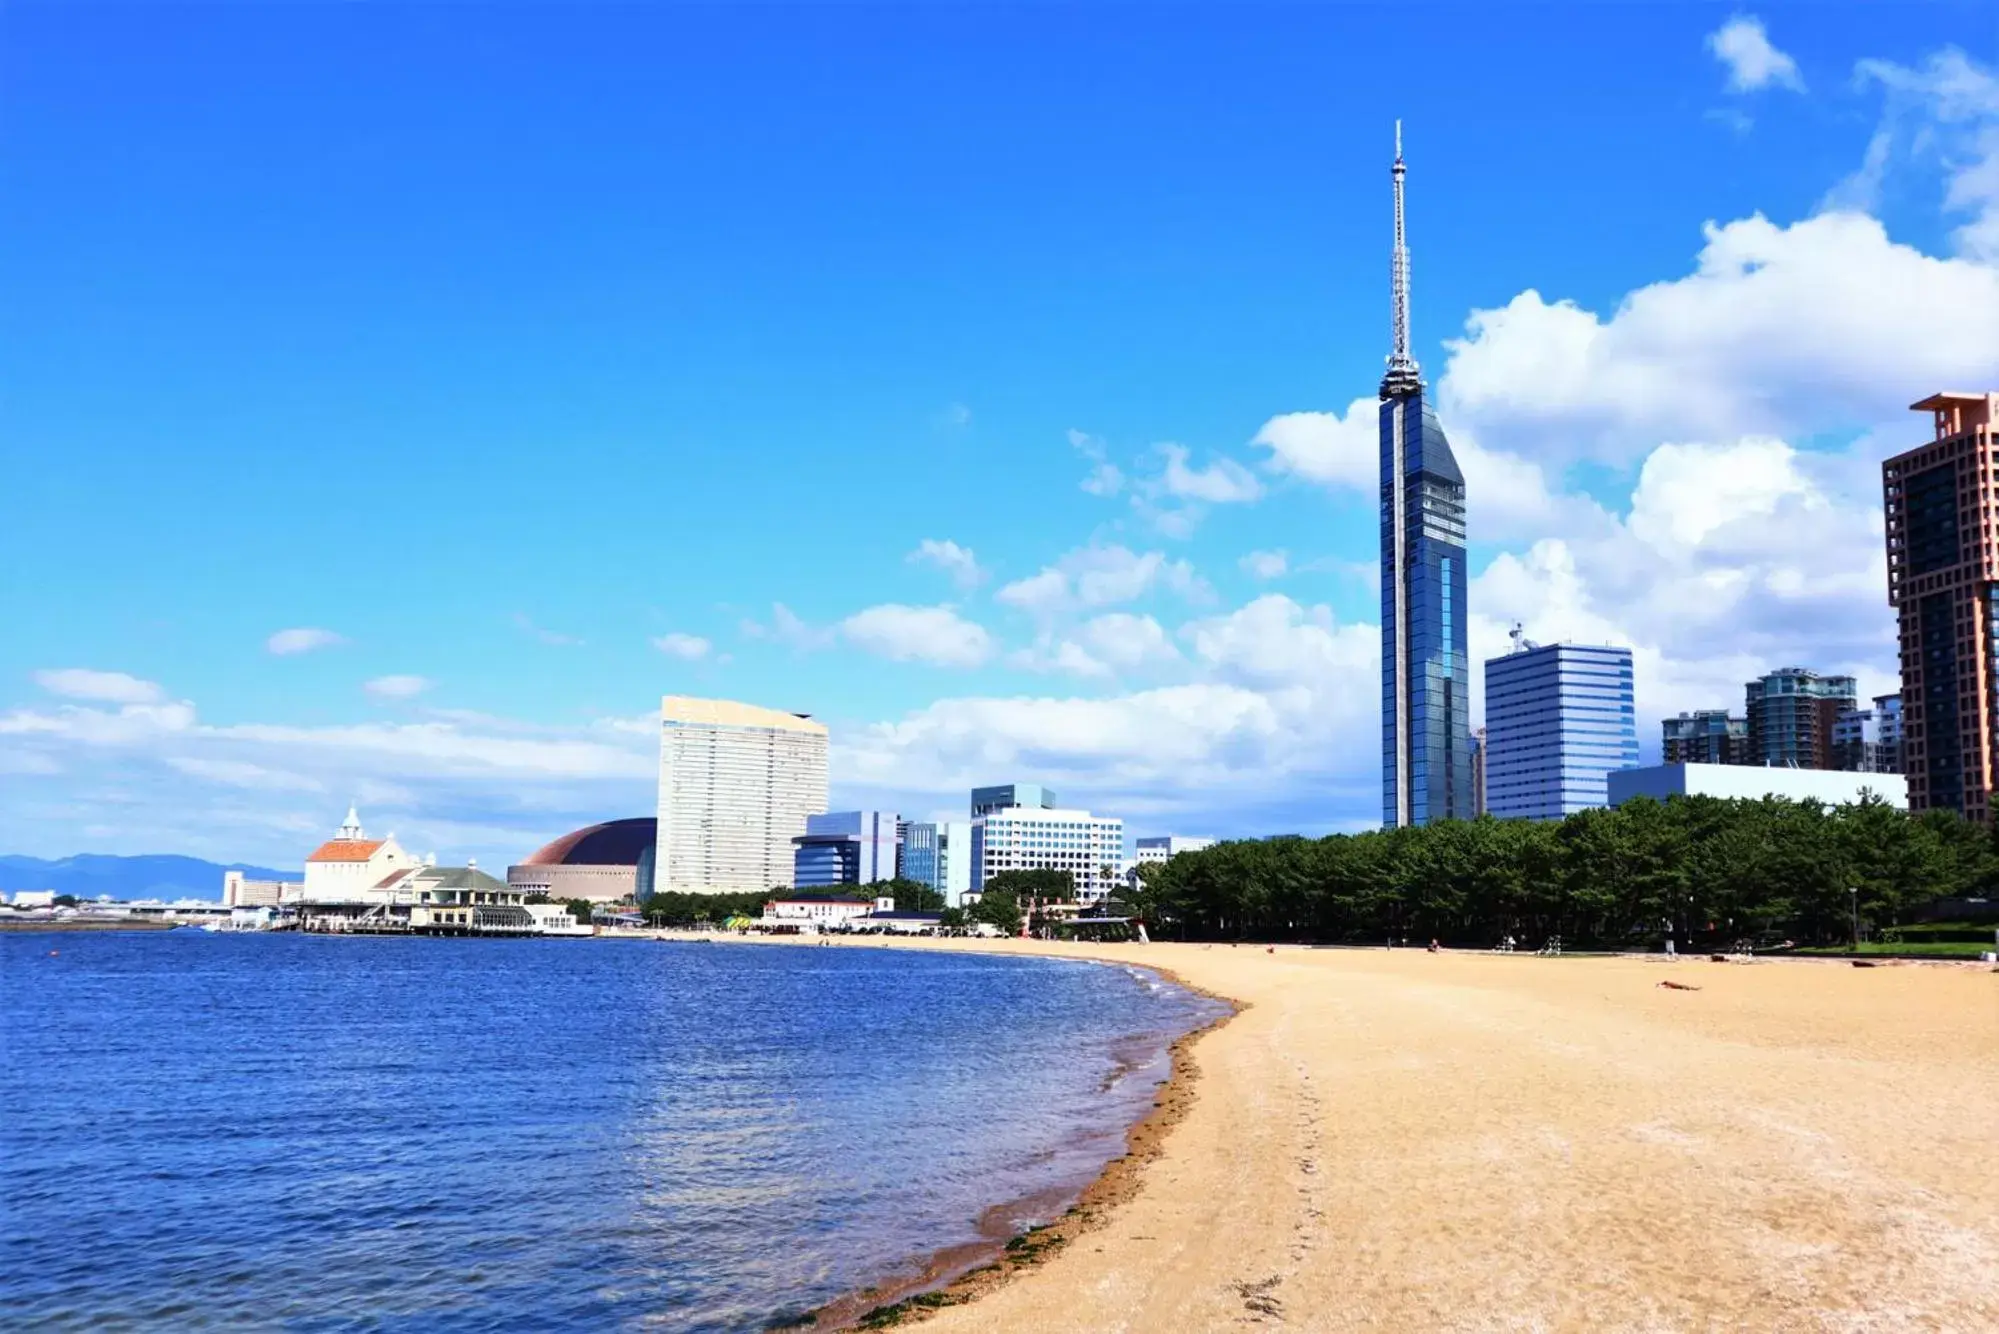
{"points": [[1941, 501]]}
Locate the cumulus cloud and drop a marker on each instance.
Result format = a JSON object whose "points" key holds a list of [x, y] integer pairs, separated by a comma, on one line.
{"points": [[303, 639], [399, 686], [1779, 330], [1101, 576], [686, 647], [1330, 448], [1744, 49], [956, 561], [1104, 646], [938, 636], [105, 687], [1223, 482], [1265, 564]]}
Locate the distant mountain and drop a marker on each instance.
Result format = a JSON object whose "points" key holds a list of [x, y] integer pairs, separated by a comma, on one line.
{"points": [[162, 877]]}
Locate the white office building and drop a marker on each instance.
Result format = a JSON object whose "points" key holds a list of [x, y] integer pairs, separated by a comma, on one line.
{"points": [[736, 783], [1166, 846], [1028, 838]]}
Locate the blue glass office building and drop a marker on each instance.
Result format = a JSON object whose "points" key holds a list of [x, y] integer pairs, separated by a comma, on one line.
{"points": [[1426, 764], [1558, 719]]}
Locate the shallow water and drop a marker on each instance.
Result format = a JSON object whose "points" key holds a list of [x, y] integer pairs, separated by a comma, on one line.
{"points": [[446, 1134]]}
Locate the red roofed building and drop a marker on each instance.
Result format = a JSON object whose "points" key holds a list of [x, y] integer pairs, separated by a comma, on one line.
{"points": [[348, 865]]}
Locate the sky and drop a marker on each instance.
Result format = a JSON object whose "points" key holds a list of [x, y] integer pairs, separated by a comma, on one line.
{"points": [[396, 401]]}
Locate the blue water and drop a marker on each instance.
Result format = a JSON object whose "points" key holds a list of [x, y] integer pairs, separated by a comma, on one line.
{"points": [[439, 1134]]}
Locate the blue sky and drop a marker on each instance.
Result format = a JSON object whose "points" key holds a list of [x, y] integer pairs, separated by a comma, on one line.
{"points": [[546, 359]]}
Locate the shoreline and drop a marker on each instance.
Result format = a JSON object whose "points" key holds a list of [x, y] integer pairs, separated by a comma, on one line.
{"points": [[1394, 1139], [962, 1273]]}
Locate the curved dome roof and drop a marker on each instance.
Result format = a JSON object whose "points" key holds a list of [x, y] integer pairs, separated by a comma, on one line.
{"points": [[615, 843]]}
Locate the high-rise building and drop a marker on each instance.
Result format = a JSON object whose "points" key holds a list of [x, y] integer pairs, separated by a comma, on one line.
{"points": [[1425, 699], [1005, 795], [1869, 741], [845, 848], [1559, 719], [1029, 838], [736, 783], [916, 859], [1941, 501], [1705, 736], [1478, 772], [1791, 715]]}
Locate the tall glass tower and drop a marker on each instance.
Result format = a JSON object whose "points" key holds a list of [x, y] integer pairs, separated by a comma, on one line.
{"points": [[1426, 771]]}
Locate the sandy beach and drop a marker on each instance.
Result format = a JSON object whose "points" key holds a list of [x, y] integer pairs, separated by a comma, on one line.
{"points": [[1406, 1141]]}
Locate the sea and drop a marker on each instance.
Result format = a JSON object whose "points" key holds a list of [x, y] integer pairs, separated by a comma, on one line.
{"points": [[270, 1130]]}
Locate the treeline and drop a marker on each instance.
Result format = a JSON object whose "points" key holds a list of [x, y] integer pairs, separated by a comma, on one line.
{"points": [[1707, 871]]}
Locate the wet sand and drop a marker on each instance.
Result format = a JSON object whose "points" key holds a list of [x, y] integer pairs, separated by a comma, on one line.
{"points": [[1406, 1141]]}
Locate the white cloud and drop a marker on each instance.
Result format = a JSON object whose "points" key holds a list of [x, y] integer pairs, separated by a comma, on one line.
{"points": [[104, 687], [1101, 576], [400, 686], [1063, 656], [1223, 482], [1327, 447], [1104, 478], [1265, 564], [303, 639], [1780, 330], [954, 560], [957, 416], [1946, 110], [934, 635], [240, 773], [1127, 642], [686, 647], [1752, 62]]}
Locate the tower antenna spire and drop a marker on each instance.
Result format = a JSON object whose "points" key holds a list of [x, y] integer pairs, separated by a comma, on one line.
{"points": [[1403, 376]]}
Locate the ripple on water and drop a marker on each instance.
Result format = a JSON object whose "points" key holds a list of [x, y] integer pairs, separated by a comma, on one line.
{"points": [[535, 1134]]}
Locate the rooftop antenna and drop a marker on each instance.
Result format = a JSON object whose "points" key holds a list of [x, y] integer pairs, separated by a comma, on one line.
{"points": [[1403, 376]]}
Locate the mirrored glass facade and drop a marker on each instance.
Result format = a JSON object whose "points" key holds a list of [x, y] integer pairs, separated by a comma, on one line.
{"points": [[1425, 694]]}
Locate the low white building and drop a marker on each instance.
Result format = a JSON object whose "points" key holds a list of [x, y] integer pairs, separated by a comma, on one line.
{"points": [[1033, 838], [1834, 787], [1167, 846], [346, 867], [34, 898], [818, 912]]}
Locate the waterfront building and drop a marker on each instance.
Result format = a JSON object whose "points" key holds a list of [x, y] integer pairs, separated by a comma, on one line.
{"points": [[736, 783], [955, 862], [1706, 736], [1869, 741], [1425, 701], [1024, 838], [600, 862], [1791, 715], [239, 891], [348, 865], [1165, 847], [1559, 719], [1941, 501], [817, 912], [917, 858], [1478, 773], [844, 848], [1008, 795], [1752, 783]]}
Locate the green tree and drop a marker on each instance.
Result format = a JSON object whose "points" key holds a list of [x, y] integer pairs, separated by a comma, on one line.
{"points": [[997, 908]]}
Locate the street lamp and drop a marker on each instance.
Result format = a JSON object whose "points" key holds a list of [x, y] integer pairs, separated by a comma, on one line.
{"points": [[1853, 893]]}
